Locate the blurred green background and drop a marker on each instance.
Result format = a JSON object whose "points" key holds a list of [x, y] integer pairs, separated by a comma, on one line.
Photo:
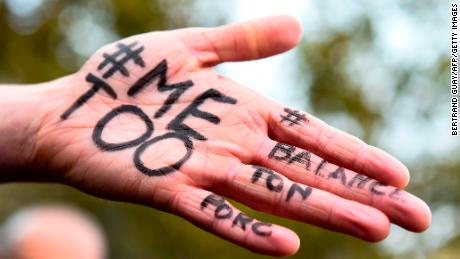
{"points": [[376, 69]]}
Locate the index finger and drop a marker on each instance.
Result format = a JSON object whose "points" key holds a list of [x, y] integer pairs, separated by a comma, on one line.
{"points": [[305, 131]]}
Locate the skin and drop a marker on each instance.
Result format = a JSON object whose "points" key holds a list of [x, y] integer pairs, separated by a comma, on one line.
{"points": [[37, 145]]}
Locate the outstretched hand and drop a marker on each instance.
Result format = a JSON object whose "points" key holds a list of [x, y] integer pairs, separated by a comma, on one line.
{"points": [[147, 120]]}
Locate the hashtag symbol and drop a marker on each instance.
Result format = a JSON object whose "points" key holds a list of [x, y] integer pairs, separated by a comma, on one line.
{"points": [[293, 117], [117, 60]]}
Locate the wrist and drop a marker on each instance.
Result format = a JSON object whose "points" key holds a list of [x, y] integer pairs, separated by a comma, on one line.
{"points": [[23, 112]]}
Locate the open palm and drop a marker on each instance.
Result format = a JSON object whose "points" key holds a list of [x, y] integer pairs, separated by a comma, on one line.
{"points": [[147, 120]]}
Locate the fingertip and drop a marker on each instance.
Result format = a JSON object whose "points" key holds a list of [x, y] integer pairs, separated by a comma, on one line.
{"points": [[378, 226], [404, 173], [425, 223], [364, 222], [282, 242], [381, 231], [411, 213], [421, 216], [394, 172], [290, 30], [291, 242]]}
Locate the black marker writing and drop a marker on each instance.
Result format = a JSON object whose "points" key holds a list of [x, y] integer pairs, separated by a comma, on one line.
{"points": [[179, 130], [339, 173], [281, 152], [288, 154], [395, 193], [97, 85], [360, 179], [320, 166], [374, 188], [257, 228], [178, 125], [160, 73], [301, 158], [242, 220], [182, 132], [273, 181], [188, 145], [293, 117], [118, 65], [223, 211], [102, 123], [304, 193], [285, 152]]}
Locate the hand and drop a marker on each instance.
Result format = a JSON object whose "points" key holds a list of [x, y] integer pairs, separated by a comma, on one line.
{"points": [[147, 120]]}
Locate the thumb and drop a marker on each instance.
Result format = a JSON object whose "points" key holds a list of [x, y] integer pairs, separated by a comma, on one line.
{"points": [[249, 40]]}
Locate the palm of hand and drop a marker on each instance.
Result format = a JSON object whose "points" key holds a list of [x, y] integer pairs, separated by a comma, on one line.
{"points": [[162, 128]]}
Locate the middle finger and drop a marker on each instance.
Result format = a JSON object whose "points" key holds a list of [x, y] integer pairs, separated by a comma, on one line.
{"points": [[299, 165]]}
